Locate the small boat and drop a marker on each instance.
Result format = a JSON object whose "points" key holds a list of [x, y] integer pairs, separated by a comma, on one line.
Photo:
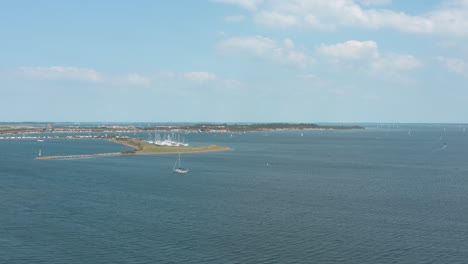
{"points": [[178, 168], [40, 140], [40, 153]]}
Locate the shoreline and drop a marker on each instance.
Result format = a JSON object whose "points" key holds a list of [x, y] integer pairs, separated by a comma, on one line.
{"points": [[14, 129], [136, 151]]}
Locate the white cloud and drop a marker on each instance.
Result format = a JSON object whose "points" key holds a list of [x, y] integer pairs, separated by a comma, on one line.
{"points": [[371, 97], [274, 19], [375, 2], [284, 52], [337, 91], [57, 73], [258, 45], [61, 73], [208, 79], [247, 4], [231, 84], [234, 18], [450, 18], [367, 54], [137, 79], [288, 43], [166, 74], [350, 50], [221, 34], [396, 63], [307, 76], [454, 65], [200, 76]]}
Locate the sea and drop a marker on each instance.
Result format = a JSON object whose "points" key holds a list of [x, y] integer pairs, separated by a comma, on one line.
{"points": [[386, 194]]}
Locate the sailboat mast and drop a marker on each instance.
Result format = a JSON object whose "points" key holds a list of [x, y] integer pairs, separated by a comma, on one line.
{"points": [[175, 166]]}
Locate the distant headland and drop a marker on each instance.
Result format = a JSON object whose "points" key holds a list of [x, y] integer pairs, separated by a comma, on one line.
{"points": [[18, 128]]}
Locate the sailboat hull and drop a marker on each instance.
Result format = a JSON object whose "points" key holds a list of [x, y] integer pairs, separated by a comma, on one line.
{"points": [[178, 168], [181, 171]]}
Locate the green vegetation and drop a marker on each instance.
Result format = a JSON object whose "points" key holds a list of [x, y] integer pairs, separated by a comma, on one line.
{"points": [[141, 147]]}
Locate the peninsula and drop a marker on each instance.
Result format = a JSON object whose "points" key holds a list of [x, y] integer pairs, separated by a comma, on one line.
{"points": [[141, 147]]}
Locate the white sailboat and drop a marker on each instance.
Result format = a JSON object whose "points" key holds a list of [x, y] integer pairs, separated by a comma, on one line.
{"points": [[178, 168], [40, 153]]}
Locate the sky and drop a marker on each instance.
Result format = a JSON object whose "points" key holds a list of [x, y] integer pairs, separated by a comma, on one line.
{"points": [[234, 61]]}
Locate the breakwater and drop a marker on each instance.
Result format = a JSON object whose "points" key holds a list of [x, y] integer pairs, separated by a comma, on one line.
{"points": [[81, 156]]}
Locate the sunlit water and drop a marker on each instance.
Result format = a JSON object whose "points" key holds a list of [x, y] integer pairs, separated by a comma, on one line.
{"points": [[380, 195]]}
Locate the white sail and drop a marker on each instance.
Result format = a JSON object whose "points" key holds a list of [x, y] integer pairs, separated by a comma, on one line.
{"points": [[178, 168]]}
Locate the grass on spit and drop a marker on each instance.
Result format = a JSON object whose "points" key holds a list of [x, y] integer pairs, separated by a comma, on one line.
{"points": [[144, 147]]}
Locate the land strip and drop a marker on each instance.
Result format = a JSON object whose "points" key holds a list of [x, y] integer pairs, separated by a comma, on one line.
{"points": [[192, 128], [140, 147]]}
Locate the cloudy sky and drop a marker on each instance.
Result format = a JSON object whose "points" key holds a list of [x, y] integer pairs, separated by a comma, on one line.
{"points": [[234, 60]]}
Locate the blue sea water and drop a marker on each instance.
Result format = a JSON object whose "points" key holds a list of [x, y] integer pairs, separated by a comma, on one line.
{"points": [[381, 195]]}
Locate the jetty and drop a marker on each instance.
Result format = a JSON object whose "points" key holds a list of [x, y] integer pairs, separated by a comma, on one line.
{"points": [[81, 156]]}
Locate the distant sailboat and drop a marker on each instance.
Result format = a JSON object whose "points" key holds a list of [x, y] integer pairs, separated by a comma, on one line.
{"points": [[178, 168], [443, 147], [40, 153]]}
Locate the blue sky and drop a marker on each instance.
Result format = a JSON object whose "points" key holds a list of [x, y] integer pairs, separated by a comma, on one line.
{"points": [[234, 61]]}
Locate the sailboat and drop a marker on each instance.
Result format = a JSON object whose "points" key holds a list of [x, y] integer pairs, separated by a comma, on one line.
{"points": [[178, 168], [40, 153]]}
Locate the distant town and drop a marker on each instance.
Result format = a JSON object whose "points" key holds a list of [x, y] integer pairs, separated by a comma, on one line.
{"points": [[27, 128]]}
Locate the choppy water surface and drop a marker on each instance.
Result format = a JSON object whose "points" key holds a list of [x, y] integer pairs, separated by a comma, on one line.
{"points": [[382, 195]]}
